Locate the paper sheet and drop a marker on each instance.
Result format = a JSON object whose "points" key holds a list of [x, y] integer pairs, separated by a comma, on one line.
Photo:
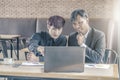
{"points": [[102, 66], [32, 63]]}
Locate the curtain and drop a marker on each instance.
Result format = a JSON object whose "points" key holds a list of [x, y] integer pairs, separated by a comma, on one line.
{"points": [[119, 49]]}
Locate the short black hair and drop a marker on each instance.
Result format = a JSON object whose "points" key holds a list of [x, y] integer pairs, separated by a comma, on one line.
{"points": [[56, 21], [80, 12]]}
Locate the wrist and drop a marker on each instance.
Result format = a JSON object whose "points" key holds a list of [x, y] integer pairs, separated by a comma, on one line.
{"points": [[83, 45]]}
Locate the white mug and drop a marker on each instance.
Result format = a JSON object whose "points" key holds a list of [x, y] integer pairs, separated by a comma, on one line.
{"points": [[8, 61]]}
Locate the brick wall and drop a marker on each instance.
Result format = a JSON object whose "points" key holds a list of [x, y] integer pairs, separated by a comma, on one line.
{"points": [[46, 8]]}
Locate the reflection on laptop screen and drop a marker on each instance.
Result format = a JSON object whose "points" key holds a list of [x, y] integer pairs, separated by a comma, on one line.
{"points": [[64, 59]]}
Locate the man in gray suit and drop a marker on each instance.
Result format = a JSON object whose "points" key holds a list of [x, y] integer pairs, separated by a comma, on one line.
{"points": [[85, 36]]}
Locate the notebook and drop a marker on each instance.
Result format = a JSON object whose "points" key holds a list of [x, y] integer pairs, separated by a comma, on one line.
{"points": [[64, 59]]}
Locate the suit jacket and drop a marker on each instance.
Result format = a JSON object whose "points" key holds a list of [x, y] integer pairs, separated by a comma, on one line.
{"points": [[95, 43]]}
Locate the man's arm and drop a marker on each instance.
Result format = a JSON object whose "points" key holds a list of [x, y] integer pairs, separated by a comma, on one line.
{"points": [[96, 55], [34, 43], [34, 48]]}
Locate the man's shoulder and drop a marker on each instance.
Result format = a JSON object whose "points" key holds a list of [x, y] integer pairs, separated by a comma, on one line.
{"points": [[63, 37], [98, 33]]}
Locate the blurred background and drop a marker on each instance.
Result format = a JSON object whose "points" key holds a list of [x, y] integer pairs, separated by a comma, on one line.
{"points": [[97, 9]]}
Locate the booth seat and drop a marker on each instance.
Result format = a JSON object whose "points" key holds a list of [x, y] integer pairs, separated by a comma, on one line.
{"points": [[18, 26], [27, 26]]}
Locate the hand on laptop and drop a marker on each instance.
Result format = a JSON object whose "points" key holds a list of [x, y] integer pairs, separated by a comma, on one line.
{"points": [[41, 49], [32, 58]]}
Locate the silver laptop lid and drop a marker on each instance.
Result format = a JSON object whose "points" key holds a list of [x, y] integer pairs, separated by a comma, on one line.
{"points": [[64, 59]]}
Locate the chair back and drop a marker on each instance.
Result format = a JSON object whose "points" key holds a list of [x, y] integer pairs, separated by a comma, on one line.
{"points": [[110, 56]]}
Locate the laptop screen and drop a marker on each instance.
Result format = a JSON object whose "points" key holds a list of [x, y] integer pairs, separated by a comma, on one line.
{"points": [[64, 59]]}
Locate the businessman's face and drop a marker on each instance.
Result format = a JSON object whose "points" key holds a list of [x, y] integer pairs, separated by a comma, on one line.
{"points": [[54, 32], [81, 25]]}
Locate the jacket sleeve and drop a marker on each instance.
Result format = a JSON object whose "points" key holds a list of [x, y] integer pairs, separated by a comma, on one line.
{"points": [[34, 43], [96, 55]]}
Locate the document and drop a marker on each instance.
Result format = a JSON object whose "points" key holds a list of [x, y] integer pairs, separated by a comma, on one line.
{"points": [[102, 66], [32, 63]]}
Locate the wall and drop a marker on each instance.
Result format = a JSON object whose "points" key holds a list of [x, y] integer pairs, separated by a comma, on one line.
{"points": [[46, 8]]}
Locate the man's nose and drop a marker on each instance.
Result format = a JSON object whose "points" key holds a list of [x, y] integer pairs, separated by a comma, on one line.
{"points": [[78, 26], [55, 31]]}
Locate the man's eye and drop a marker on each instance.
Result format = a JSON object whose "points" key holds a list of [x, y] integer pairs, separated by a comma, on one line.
{"points": [[80, 22], [74, 23], [53, 29], [59, 28]]}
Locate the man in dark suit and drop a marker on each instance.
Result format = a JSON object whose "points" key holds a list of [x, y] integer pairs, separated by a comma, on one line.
{"points": [[85, 36]]}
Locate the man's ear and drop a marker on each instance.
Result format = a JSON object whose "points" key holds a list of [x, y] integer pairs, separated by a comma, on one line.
{"points": [[48, 27], [87, 20]]}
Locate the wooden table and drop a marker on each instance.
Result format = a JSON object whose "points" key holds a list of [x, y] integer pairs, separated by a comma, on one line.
{"points": [[11, 38], [38, 72]]}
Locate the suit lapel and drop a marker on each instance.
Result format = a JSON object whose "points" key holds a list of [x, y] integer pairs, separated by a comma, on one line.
{"points": [[89, 37]]}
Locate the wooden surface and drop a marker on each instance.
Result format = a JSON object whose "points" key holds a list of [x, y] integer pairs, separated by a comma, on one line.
{"points": [[2, 36], [38, 71]]}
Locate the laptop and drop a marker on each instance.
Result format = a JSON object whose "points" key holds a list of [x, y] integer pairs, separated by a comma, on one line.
{"points": [[64, 59]]}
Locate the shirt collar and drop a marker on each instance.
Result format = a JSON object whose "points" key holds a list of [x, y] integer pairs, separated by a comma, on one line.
{"points": [[87, 33], [56, 38]]}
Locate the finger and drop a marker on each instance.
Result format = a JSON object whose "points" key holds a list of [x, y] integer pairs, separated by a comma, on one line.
{"points": [[42, 54], [28, 58], [40, 47], [31, 53], [79, 37]]}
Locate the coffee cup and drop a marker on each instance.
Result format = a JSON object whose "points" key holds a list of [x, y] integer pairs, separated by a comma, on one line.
{"points": [[8, 61]]}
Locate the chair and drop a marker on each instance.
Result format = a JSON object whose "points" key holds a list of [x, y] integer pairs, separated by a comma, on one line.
{"points": [[110, 56], [3, 49]]}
